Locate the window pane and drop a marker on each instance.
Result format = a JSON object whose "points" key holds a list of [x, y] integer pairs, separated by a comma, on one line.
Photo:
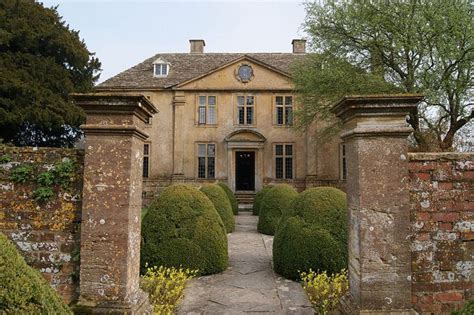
{"points": [[211, 167], [146, 149], [279, 100], [164, 69], [211, 100], [145, 166], [201, 150], [211, 117], [288, 116], [288, 150], [202, 100], [279, 167], [250, 100], [279, 149], [202, 115], [288, 100], [201, 167], [288, 168], [280, 115], [241, 115], [211, 150], [157, 69], [249, 115], [240, 100], [343, 150]]}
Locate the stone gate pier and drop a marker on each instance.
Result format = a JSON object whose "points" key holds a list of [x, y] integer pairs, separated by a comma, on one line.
{"points": [[110, 229], [375, 134]]}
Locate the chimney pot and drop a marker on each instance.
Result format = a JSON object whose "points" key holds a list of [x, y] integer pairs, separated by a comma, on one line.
{"points": [[197, 46], [299, 46]]}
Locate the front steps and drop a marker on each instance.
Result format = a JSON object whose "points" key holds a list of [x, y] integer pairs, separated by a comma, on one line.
{"points": [[245, 200]]}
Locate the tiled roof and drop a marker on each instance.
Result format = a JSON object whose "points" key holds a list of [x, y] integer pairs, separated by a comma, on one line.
{"points": [[186, 66]]}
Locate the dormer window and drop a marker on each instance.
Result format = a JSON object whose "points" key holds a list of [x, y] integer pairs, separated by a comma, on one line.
{"points": [[161, 68]]}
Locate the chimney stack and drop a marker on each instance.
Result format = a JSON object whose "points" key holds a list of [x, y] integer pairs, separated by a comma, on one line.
{"points": [[197, 46], [299, 46]]}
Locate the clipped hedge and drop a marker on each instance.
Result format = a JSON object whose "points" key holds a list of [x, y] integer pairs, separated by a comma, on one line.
{"points": [[257, 202], [276, 202], [22, 289], [312, 235], [232, 198], [182, 229], [299, 246], [222, 204]]}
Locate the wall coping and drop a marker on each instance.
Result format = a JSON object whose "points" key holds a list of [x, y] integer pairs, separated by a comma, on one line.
{"points": [[40, 150], [440, 156]]}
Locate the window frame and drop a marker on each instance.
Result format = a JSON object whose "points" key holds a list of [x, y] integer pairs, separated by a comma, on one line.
{"points": [[206, 110], [161, 65], [284, 157], [342, 161], [245, 107], [283, 106], [146, 157], [206, 161]]}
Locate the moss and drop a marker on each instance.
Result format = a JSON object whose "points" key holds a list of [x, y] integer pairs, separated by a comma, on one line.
{"points": [[222, 204], [182, 229], [232, 198], [257, 202], [22, 289], [312, 235], [276, 202]]}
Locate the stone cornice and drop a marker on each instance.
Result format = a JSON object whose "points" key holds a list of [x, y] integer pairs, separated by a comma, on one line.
{"points": [[114, 130], [106, 104]]}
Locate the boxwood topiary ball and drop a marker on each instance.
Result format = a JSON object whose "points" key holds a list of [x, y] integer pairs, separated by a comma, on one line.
{"points": [[257, 202], [231, 196], [182, 229], [276, 202], [327, 208], [299, 246], [23, 290], [222, 204]]}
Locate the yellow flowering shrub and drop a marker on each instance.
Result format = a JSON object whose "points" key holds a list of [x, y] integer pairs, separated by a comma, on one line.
{"points": [[325, 291], [165, 286]]}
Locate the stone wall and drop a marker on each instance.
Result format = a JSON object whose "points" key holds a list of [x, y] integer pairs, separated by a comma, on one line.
{"points": [[442, 223], [40, 210]]}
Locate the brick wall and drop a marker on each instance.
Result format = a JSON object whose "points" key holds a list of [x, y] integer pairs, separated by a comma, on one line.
{"points": [[46, 230], [442, 225]]}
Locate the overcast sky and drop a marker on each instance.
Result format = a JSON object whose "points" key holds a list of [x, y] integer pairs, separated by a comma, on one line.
{"points": [[124, 33]]}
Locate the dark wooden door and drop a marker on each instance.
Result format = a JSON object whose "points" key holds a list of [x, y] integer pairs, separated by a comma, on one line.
{"points": [[245, 170]]}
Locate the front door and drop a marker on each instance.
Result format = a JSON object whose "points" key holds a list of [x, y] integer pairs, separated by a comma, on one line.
{"points": [[244, 170]]}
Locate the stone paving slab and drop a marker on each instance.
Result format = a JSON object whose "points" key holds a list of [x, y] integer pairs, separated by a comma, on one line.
{"points": [[249, 285]]}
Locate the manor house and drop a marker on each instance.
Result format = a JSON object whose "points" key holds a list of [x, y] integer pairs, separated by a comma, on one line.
{"points": [[227, 117]]}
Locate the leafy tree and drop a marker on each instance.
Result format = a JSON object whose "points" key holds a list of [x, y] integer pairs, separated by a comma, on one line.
{"points": [[416, 46], [42, 61]]}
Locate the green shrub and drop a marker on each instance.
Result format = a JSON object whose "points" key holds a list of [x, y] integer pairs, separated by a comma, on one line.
{"points": [[222, 204], [313, 235], [22, 289], [327, 208], [468, 309], [276, 202], [299, 246], [182, 229], [257, 202], [231, 196]]}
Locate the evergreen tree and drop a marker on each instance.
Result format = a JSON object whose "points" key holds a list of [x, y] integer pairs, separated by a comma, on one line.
{"points": [[42, 61]]}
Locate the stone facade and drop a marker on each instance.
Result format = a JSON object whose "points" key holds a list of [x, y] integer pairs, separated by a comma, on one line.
{"points": [[46, 232], [177, 131], [442, 227]]}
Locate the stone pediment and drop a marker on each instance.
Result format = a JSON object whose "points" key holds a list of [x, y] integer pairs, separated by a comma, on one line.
{"points": [[245, 135]]}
